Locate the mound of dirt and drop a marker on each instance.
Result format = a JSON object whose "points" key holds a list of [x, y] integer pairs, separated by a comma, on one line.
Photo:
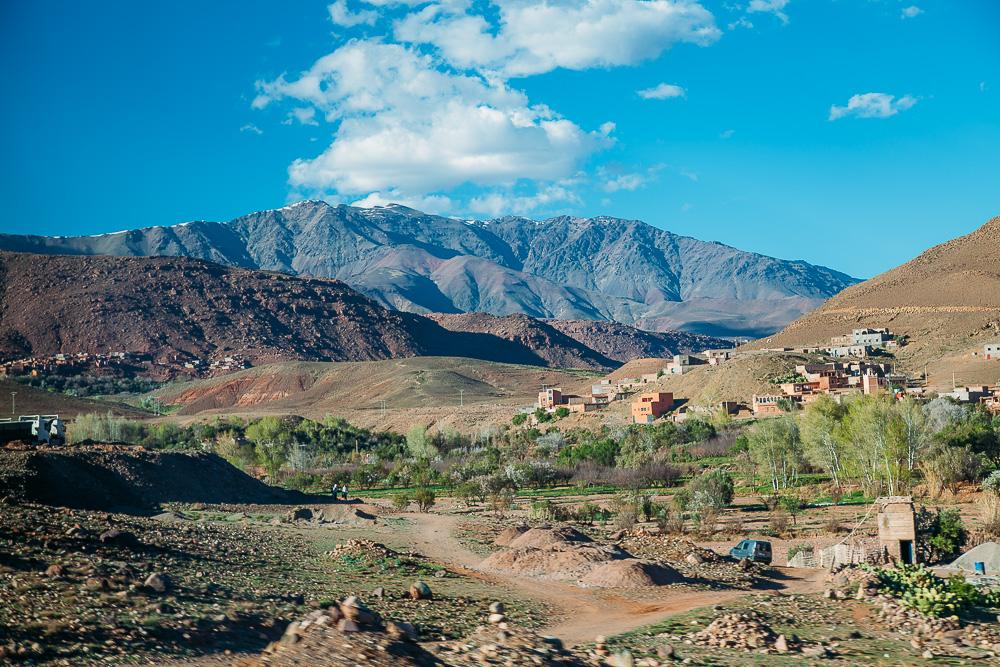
{"points": [[631, 573], [107, 477], [553, 562], [540, 538], [508, 534], [987, 553]]}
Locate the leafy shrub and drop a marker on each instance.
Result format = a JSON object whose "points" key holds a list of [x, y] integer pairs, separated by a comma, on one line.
{"points": [[519, 418], [712, 490], [940, 534], [400, 501], [562, 412], [424, 497]]}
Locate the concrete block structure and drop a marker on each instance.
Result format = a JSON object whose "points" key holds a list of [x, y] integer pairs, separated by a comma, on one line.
{"points": [[897, 528], [992, 351]]}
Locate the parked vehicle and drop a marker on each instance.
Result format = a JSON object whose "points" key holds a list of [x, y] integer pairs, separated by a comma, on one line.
{"points": [[39, 429], [758, 551]]}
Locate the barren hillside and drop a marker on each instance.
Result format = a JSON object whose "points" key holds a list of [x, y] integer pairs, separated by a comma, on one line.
{"points": [[624, 343], [947, 301], [467, 394]]}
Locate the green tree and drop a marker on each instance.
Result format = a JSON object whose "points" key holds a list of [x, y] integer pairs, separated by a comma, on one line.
{"points": [[419, 444], [823, 448], [271, 455], [873, 431], [562, 412], [775, 447]]}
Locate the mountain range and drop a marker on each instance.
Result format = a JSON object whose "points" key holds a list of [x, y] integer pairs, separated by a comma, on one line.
{"points": [[166, 306], [563, 268]]}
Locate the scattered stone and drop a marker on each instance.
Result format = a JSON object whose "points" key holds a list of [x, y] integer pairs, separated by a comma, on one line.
{"points": [[157, 582], [420, 591]]}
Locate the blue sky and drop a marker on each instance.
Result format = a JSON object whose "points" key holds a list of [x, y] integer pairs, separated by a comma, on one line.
{"points": [[850, 133]]}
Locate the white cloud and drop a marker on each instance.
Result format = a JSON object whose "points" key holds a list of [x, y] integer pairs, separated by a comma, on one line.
{"points": [[497, 203], [982, 86], [409, 128], [911, 12], [741, 22], [532, 38], [342, 15], [661, 92], [776, 7], [727, 134], [429, 108], [253, 129], [304, 116], [428, 204], [872, 105]]}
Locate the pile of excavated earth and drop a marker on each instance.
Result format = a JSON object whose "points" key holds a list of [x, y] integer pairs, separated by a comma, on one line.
{"points": [[103, 476], [563, 553], [351, 634]]}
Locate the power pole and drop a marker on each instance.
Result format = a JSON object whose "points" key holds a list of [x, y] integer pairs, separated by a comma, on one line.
{"points": [[461, 398], [383, 407], [13, 408]]}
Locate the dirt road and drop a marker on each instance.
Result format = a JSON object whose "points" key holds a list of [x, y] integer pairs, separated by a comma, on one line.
{"points": [[582, 613]]}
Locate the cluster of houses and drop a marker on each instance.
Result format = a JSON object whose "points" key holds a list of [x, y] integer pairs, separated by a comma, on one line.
{"points": [[110, 363], [646, 407], [850, 372], [859, 344], [224, 365], [121, 364], [832, 378]]}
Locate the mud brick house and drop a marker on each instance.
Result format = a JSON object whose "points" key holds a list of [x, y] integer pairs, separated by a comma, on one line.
{"points": [[648, 407]]}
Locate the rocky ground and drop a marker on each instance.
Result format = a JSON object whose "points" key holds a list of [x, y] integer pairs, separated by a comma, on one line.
{"points": [[82, 587]]}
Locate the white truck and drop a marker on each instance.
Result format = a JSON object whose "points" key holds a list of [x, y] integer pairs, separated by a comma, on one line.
{"points": [[39, 429]]}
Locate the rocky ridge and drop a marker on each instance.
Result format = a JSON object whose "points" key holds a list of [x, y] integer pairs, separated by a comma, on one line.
{"points": [[565, 268]]}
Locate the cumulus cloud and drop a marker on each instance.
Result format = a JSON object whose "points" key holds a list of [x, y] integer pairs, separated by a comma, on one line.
{"points": [[776, 7], [662, 91], [251, 128], [342, 15], [430, 108], [495, 203], [911, 12], [409, 128], [429, 204], [872, 105], [304, 116], [533, 38]]}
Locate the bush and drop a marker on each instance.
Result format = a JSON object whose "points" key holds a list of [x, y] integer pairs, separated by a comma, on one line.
{"points": [[470, 493], [941, 535], [401, 501], [519, 418], [712, 490], [424, 497], [562, 412], [586, 513]]}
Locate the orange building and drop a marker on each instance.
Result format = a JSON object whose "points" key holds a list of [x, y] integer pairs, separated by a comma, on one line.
{"points": [[648, 407]]}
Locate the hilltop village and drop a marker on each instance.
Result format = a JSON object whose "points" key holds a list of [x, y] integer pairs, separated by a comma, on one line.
{"points": [[858, 363]]}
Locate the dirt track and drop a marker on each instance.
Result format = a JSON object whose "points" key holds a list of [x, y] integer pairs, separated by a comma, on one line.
{"points": [[584, 613]]}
